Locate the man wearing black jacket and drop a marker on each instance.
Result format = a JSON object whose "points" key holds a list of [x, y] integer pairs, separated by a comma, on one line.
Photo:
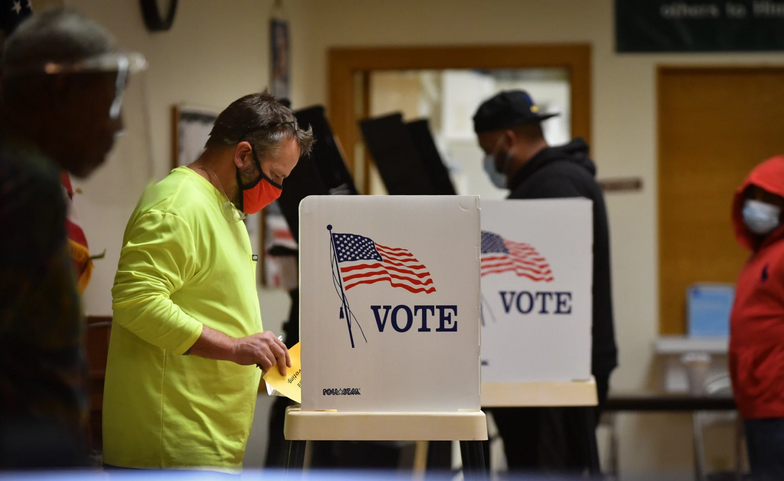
{"points": [[518, 158]]}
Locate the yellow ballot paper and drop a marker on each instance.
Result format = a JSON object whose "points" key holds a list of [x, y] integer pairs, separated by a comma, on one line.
{"points": [[289, 385]]}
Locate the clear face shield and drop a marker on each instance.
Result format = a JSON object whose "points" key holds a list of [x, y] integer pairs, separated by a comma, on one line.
{"points": [[123, 63], [135, 115]]}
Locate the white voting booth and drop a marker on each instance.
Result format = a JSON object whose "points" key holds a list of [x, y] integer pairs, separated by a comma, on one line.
{"points": [[536, 268], [389, 303], [389, 319]]}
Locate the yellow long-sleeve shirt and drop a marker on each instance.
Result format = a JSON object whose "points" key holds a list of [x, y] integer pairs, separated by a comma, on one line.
{"points": [[183, 266]]}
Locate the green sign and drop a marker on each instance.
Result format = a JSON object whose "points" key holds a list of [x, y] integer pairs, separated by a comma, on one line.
{"points": [[699, 25]]}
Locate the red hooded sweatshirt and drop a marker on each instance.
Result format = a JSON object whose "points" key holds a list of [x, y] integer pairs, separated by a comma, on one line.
{"points": [[757, 321]]}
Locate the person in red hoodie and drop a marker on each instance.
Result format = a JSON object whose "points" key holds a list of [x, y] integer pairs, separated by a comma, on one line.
{"points": [[757, 319]]}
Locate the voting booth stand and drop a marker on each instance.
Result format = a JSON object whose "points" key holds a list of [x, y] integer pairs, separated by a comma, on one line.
{"points": [[537, 270], [389, 323]]}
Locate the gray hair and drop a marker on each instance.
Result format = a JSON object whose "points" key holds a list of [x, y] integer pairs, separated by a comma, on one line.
{"points": [[261, 120], [57, 35]]}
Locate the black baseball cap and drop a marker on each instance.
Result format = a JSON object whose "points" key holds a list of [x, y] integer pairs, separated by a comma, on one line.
{"points": [[509, 108]]}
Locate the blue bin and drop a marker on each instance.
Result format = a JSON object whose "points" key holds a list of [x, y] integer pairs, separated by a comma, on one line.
{"points": [[708, 308]]}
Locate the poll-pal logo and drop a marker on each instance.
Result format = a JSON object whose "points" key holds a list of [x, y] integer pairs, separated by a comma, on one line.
{"points": [[357, 260], [501, 255]]}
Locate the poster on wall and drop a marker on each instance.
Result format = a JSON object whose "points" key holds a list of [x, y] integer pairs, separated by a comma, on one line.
{"points": [[537, 271], [192, 126], [699, 25], [280, 68], [280, 250]]}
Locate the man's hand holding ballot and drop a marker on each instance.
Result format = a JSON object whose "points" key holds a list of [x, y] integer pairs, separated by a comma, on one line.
{"points": [[263, 349]]}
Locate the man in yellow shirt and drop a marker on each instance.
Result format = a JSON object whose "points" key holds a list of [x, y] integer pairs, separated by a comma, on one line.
{"points": [[181, 378]]}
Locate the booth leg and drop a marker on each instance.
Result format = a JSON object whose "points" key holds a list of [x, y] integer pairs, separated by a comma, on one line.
{"points": [[472, 454], [594, 467], [296, 455]]}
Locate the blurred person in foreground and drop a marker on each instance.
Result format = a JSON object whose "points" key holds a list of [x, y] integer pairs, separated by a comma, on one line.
{"points": [[62, 87], [518, 158], [181, 378], [757, 319]]}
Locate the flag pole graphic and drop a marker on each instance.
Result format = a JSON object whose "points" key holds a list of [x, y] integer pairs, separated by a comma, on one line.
{"points": [[336, 270], [482, 309]]}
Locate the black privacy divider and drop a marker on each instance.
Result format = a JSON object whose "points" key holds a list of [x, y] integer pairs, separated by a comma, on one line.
{"points": [[390, 144], [329, 159], [419, 130], [323, 172], [304, 180]]}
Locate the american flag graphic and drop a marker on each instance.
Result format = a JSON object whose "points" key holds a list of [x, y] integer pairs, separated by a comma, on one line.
{"points": [[502, 255], [363, 261]]}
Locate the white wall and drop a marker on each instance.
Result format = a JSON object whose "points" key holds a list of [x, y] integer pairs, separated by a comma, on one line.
{"points": [[624, 144]]}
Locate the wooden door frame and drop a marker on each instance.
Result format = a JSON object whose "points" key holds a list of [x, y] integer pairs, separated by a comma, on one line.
{"points": [[344, 63]]}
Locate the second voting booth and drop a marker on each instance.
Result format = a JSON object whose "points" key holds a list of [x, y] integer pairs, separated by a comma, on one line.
{"points": [[537, 276], [537, 271]]}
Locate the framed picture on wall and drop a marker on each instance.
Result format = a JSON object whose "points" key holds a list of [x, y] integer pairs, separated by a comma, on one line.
{"points": [[190, 129]]}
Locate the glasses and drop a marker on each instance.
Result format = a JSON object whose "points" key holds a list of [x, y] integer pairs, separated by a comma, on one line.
{"points": [[231, 213]]}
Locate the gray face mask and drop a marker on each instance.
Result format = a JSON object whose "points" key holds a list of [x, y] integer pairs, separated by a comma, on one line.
{"points": [[761, 218], [497, 178]]}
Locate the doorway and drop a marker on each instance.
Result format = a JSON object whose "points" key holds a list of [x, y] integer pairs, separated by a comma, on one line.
{"points": [[448, 100], [350, 72]]}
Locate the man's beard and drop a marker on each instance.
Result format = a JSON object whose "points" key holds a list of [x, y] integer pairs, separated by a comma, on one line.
{"points": [[248, 175]]}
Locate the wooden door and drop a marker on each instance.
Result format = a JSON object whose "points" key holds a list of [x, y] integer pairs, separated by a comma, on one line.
{"points": [[715, 125]]}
